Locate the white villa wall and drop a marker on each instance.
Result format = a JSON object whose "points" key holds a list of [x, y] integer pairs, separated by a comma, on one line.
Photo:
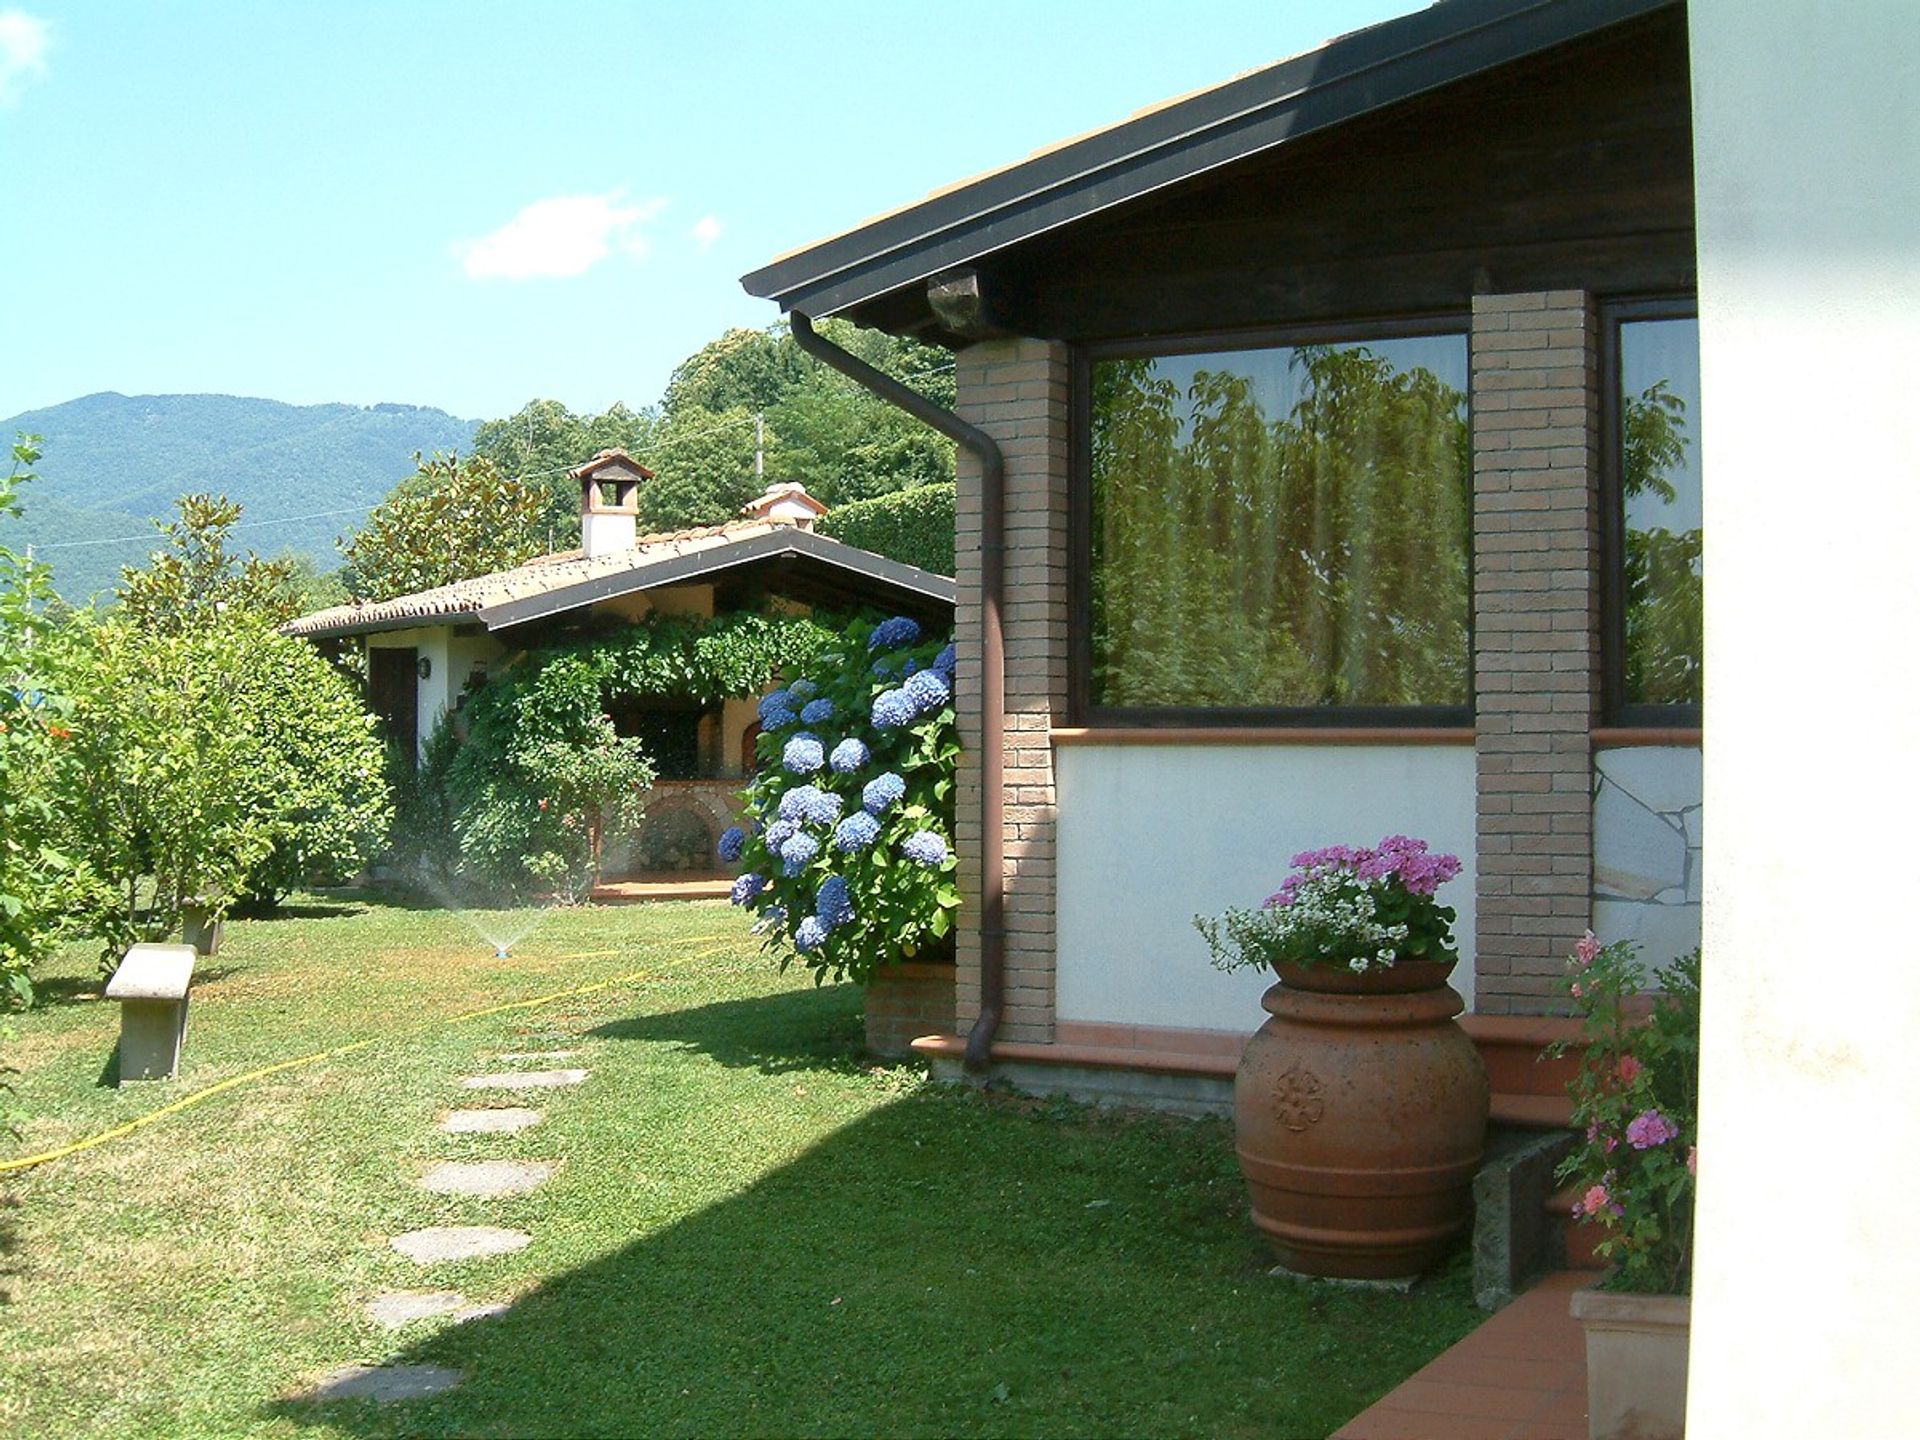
{"points": [[451, 659], [1646, 848], [1807, 164], [1150, 835]]}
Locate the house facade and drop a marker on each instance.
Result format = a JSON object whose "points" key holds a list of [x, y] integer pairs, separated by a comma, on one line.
{"points": [[1349, 415], [426, 652]]}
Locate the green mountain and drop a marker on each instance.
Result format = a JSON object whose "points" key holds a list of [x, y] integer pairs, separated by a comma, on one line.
{"points": [[111, 464]]}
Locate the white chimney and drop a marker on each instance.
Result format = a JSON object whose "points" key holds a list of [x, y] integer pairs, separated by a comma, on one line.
{"points": [[787, 504], [609, 502]]}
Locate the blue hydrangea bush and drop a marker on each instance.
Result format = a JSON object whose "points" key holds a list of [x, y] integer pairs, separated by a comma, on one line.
{"points": [[847, 856]]}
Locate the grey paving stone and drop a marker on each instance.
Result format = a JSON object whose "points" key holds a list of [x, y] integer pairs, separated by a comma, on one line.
{"points": [[487, 1177], [490, 1122], [481, 1312], [524, 1080], [385, 1383], [539, 1055], [396, 1308], [459, 1242]]}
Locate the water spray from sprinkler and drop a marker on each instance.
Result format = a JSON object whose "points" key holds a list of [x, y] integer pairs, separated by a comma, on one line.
{"points": [[501, 952]]}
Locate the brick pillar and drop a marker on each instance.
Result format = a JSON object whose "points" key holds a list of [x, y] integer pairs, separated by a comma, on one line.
{"points": [[1536, 466], [1015, 390]]}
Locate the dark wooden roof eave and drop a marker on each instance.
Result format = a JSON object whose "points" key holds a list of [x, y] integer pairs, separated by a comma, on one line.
{"points": [[880, 268]]}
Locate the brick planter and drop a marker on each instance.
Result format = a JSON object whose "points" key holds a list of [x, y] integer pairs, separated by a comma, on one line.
{"points": [[905, 1002]]}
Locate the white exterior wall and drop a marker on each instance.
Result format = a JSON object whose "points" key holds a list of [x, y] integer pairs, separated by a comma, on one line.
{"points": [[451, 660], [1150, 835], [1807, 165]]}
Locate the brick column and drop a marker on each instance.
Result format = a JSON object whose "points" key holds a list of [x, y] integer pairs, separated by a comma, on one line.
{"points": [[1536, 466], [1015, 390]]}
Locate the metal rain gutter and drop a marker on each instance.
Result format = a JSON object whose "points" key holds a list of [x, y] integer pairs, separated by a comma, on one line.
{"points": [[993, 670]]}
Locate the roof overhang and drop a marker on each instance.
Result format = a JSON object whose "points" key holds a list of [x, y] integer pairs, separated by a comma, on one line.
{"points": [[1341, 80]]}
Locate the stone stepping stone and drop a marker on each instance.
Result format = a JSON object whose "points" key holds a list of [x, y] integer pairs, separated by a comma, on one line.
{"points": [[481, 1312], [487, 1177], [385, 1383], [459, 1242], [539, 1055], [524, 1080], [490, 1122], [396, 1308]]}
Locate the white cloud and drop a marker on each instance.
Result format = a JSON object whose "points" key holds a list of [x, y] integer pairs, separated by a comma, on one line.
{"points": [[23, 52], [566, 235], [706, 230]]}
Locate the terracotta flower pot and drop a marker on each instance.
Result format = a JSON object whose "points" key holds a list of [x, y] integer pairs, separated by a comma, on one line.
{"points": [[1636, 1363], [1360, 1116]]}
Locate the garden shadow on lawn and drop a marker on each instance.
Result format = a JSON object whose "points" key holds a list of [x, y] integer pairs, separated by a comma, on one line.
{"points": [[774, 1034], [946, 1265]]}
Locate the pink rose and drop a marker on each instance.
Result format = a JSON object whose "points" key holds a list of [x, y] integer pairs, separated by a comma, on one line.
{"points": [[1629, 1069], [1693, 1159], [1586, 947], [1594, 1201]]}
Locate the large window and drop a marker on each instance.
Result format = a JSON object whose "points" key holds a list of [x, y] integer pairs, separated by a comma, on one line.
{"points": [[1280, 533], [1656, 616]]}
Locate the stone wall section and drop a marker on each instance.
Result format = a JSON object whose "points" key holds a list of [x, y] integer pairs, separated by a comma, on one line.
{"points": [[1016, 391], [1536, 469]]}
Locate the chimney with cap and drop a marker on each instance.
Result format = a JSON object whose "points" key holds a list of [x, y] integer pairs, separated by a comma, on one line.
{"points": [[609, 502], [787, 504]]}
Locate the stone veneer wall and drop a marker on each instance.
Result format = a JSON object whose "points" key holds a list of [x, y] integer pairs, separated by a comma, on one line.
{"points": [[1646, 848], [1536, 467], [1017, 391]]}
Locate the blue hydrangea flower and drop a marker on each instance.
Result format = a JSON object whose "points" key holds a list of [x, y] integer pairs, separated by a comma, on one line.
{"points": [[779, 833], [778, 718], [882, 792], [882, 669], [911, 666], [892, 634], [793, 804], [856, 832], [946, 662], [798, 853], [732, 841], [804, 755], [747, 887], [778, 700], [834, 905], [927, 690], [821, 807], [926, 846], [849, 755], [811, 935], [817, 711], [892, 709], [803, 689]]}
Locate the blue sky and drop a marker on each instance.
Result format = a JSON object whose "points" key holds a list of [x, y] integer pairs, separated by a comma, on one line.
{"points": [[469, 205]]}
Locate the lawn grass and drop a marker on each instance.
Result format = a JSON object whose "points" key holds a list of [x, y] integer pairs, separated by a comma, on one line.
{"points": [[752, 1231]]}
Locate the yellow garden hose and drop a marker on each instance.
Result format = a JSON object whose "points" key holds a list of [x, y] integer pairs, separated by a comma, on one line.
{"points": [[28, 1162]]}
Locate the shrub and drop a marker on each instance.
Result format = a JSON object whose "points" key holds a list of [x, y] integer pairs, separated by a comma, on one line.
{"points": [[913, 526], [849, 862]]}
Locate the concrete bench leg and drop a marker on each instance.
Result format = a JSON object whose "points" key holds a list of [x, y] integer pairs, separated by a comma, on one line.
{"points": [[151, 1033]]}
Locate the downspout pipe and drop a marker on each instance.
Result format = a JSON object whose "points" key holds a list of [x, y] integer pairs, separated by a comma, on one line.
{"points": [[993, 669]]}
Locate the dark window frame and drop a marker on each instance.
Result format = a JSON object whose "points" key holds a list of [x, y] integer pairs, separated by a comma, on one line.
{"points": [[1618, 712], [1080, 707]]}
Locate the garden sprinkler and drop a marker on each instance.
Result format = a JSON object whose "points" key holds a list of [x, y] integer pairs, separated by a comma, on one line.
{"points": [[501, 952]]}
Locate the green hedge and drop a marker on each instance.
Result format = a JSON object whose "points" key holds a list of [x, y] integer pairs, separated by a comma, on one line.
{"points": [[913, 526]]}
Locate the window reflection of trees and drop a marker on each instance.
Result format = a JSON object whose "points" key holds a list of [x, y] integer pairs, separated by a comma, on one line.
{"points": [[1661, 581], [1317, 559]]}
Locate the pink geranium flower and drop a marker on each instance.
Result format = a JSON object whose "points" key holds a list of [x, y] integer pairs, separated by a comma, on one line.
{"points": [[1586, 947], [1629, 1069], [1650, 1128], [1594, 1201]]}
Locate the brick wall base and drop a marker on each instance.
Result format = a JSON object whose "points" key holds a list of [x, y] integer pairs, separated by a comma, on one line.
{"points": [[905, 1002]]}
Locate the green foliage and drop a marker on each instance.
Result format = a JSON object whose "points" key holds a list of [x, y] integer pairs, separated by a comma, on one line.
{"points": [[703, 469], [1315, 558], [195, 581], [36, 876], [913, 526], [901, 906], [525, 816], [543, 440], [1665, 620], [450, 520], [1636, 1098], [114, 462]]}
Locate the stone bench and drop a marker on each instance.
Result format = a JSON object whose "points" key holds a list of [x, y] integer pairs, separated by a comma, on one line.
{"points": [[151, 986]]}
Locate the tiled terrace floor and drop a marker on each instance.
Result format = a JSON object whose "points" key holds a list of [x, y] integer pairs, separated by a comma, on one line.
{"points": [[1520, 1376]]}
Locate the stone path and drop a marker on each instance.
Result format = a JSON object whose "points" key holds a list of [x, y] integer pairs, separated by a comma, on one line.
{"points": [[437, 1244], [487, 1177], [504, 1121], [524, 1080]]}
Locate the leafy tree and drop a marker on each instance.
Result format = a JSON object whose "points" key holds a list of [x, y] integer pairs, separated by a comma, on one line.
{"points": [[36, 877], [543, 440], [196, 579], [451, 520], [703, 464], [751, 370]]}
